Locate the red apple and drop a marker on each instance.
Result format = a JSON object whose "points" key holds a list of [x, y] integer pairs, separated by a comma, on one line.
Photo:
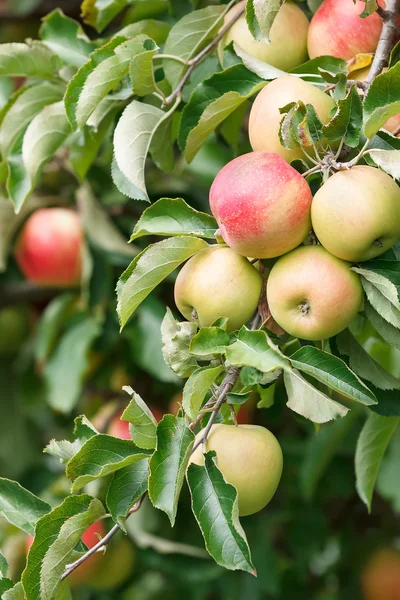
{"points": [[49, 247]]}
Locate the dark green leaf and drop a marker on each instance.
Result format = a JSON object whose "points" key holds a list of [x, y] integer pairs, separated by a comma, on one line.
{"points": [[126, 487], [209, 340], [382, 100], [19, 507], [346, 123], [196, 388]]}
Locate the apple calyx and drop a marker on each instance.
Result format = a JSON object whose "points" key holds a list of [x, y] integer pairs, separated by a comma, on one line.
{"points": [[304, 307]]}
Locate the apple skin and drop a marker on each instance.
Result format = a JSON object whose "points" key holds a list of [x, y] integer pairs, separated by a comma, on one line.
{"points": [[250, 458], [310, 277], [265, 118], [288, 37], [381, 576], [216, 283], [261, 204], [49, 247], [337, 29], [355, 208]]}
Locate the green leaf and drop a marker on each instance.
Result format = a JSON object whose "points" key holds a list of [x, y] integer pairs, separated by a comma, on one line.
{"points": [[188, 37], [253, 350], [172, 217], [15, 593], [215, 506], [6, 584], [99, 13], [300, 126], [196, 388], [371, 446], [306, 400], [51, 324], [3, 566], [387, 483], [63, 449], [100, 456], [169, 463], [18, 184], [176, 339], [141, 69], [387, 160], [381, 285], [346, 123], [32, 59], [162, 145], [209, 340], [156, 30], [66, 38], [258, 66], [126, 487], [389, 333], [260, 15], [142, 422], [211, 102], [56, 536], [149, 268], [333, 372], [19, 507], [388, 403], [382, 100]]}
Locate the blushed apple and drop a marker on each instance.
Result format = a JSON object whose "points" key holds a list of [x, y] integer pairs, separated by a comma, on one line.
{"points": [[380, 578]]}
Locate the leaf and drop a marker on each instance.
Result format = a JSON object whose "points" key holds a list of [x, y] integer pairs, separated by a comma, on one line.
{"points": [[15, 593], [141, 69], [371, 446], [209, 340], [149, 268], [63, 449], [18, 184], [156, 30], [258, 66], [387, 483], [143, 425], [346, 123], [6, 584], [51, 324], [253, 350], [3, 566], [382, 100], [56, 536], [162, 144], [215, 506], [99, 13], [389, 333], [19, 507], [300, 126], [32, 59], [306, 400], [387, 160], [176, 339], [260, 15], [171, 217], [382, 292], [388, 403], [169, 463], [333, 372], [126, 487], [196, 388], [211, 102], [101, 455], [188, 37], [66, 38]]}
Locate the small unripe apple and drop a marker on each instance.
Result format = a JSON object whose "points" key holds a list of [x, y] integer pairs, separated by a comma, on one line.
{"points": [[380, 578], [261, 204], [250, 458], [312, 294], [49, 247], [356, 213], [15, 325], [216, 283], [288, 37], [265, 118], [337, 29]]}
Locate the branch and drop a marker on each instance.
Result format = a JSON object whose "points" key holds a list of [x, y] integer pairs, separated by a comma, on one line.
{"points": [[25, 291], [386, 40]]}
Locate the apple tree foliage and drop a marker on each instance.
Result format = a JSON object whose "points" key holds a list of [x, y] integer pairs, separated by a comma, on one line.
{"points": [[142, 100]]}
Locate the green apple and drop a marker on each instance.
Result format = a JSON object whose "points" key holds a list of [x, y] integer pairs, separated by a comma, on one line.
{"points": [[250, 458], [216, 283], [356, 213], [312, 294]]}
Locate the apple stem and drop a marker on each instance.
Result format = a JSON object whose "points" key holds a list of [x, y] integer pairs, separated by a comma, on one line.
{"points": [[378, 242]]}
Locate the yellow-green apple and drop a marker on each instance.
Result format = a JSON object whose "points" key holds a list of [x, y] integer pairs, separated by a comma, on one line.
{"points": [[356, 213], [261, 204], [393, 124], [216, 282], [337, 29], [250, 458], [49, 247], [15, 322], [288, 37], [265, 118], [116, 567], [312, 294], [380, 579]]}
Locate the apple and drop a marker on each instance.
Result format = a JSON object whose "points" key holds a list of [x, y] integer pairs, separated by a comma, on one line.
{"points": [[288, 37], [265, 118], [380, 579], [15, 325], [120, 429], [392, 125], [116, 566], [261, 204], [356, 213], [49, 247], [216, 282], [250, 458], [312, 294], [337, 29]]}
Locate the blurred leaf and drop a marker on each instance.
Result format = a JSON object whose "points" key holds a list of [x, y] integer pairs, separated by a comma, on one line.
{"points": [[3, 566], [6, 89], [141, 69], [32, 59], [126, 487], [170, 217], [346, 123], [387, 160], [388, 483], [99, 13], [371, 446], [100, 456], [156, 30], [142, 422], [66, 38], [252, 349], [169, 463], [389, 333], [306, 400], [18, 182], [196, 388], [6, 584], [176, 340], [388, 403], [51, 324], [149, 268], [215, 506], [260, 15], [19, 507], [382, 100], [63, 449], [209, 340]]}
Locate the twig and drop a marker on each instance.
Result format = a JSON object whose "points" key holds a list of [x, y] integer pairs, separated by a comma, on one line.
{"points": [[24, 291], [386, 40]]}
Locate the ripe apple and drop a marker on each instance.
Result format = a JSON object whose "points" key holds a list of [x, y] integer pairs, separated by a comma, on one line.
{"points": [[250, 458], [216, 283], [288, 37], [15, 324], [261, 204], [116, 566], [312, 294], [265, 118], [356, 213], [49, 247], [120, 429], [380, 578], [337, 29], [392, 125]]}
